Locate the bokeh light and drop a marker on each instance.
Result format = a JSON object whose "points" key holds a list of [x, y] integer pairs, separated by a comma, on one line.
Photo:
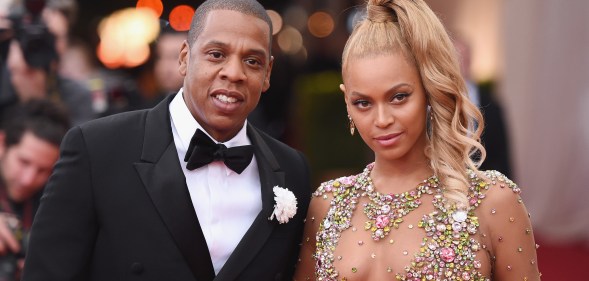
{"points": [[156, 5], [110, 55], [180, 17], [125, 36], [290, 40], [276, 21], [136, 56], [320, 24]]}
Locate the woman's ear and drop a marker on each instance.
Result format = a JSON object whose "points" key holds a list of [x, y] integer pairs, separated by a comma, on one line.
{"points": [[342, 88]]}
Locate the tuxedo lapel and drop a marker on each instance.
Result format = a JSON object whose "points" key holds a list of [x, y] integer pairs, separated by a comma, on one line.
{"points": [[260, 230], [165, 183]]}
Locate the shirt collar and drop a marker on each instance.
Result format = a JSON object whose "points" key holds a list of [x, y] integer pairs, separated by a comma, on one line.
{"points": [[186, 125]]}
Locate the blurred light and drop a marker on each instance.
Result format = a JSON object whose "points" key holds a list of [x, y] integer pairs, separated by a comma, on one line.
{"points": [[276, 21], [141, 25], [156, 5], [290, 40], [136, 55], [125, 36], [115, 56], [180, 17], [130, 24], [110, 55], [296, 17], [320, 24]]}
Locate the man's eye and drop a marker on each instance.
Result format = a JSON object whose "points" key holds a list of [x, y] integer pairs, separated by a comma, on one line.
{"points": [[216, 55], [254, 62]]}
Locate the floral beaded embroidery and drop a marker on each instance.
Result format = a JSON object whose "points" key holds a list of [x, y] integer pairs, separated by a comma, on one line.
{"points": [[386, 211], [447, 252]]}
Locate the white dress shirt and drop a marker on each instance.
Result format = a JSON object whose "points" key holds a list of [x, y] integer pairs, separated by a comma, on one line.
{"points": [[226, 203]]}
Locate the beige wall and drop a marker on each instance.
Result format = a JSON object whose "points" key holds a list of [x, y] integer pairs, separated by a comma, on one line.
{"points": [[546, 93]]}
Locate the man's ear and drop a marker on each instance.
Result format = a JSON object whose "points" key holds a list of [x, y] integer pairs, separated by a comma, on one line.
{"points": [[183, 58], [266, 85]]}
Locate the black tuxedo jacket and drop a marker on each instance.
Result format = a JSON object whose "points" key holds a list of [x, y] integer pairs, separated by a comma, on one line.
{"points": [[495, 136], [117, 208]]}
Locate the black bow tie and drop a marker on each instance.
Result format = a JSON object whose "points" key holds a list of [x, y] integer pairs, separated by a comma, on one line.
{"points": [[203, 150]]}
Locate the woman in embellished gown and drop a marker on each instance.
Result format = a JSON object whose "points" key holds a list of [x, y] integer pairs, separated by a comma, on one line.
{"points": [[422, 210]]}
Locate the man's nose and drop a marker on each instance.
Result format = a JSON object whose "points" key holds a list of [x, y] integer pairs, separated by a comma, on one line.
{"points": [[233, 70]]}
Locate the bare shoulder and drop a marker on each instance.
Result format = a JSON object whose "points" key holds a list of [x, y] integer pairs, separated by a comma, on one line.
{"points": [[328, 191], [499, 189], [501, 203], [506, 228]]}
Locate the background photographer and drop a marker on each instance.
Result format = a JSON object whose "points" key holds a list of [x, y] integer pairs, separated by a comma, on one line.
{"points": [[29, 147], [32, 61]]}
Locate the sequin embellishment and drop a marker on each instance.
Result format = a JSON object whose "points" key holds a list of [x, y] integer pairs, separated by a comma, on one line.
{"points": [[448, 251]]}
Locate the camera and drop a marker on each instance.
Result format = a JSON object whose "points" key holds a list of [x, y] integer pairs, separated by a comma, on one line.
{"points": [[9, 270], [36, 41]]}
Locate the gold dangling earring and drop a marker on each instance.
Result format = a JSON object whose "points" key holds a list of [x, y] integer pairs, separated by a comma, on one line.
{"points": [[352, 126]]}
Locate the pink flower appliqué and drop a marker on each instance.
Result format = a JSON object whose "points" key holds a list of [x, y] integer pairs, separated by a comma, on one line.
{"points": [[447, 254], [348, 180], [382, 221]]}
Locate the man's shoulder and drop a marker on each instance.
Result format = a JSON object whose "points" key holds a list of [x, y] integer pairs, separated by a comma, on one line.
{"points": [[290, 160], [274, 144], [121, 132], [117, 121]]}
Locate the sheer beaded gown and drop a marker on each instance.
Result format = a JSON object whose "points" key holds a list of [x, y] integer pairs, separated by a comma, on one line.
{"points": [[354, 232]]}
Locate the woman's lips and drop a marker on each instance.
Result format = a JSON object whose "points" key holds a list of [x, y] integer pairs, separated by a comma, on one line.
{"points": [[388, 140]]}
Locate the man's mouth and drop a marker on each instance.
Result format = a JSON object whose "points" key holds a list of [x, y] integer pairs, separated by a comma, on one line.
{"points": [[225, 99]]}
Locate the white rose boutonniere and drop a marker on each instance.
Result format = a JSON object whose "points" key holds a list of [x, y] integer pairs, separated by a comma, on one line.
{"points": [[286, 205]]}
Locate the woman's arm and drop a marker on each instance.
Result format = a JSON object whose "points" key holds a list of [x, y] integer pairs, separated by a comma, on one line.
{"points": [[306, 264], [511, 237]]}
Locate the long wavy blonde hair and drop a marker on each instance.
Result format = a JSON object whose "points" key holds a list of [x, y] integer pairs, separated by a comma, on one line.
{"points": [[411, 28]]}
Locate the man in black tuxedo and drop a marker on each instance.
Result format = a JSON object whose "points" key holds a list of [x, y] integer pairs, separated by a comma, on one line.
{"points": [[173, 193]]}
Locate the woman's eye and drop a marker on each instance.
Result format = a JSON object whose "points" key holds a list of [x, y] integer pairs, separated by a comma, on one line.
{"points": [[400, 97], [361, 103]]}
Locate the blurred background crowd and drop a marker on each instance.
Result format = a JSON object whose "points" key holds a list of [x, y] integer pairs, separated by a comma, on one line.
{"points": [[526, 64]]}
